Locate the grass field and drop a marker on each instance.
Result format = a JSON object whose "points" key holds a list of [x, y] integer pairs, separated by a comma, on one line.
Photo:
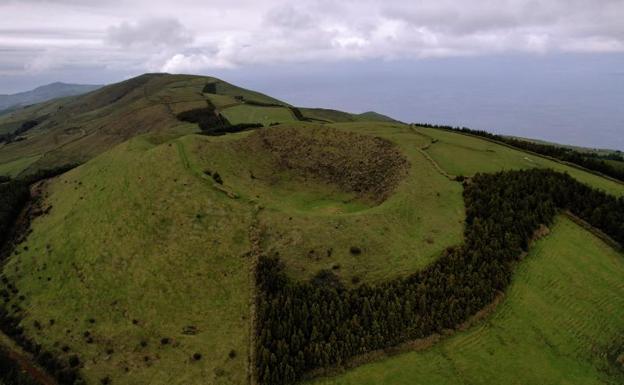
{"points": [[13, 168], [560, 322], [135, 235], [465, 155], [616, 163], [221, 101], [256, 114]]}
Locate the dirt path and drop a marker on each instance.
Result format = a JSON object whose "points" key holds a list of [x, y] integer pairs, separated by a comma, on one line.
{"points": [[423, 151]]}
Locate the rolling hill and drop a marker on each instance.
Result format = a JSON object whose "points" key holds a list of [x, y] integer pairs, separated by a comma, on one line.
{"points": [[75, 129], [147, 263], [43, 94]]}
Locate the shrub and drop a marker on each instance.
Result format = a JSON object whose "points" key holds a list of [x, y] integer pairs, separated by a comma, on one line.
{"points": [[217, 178], [210, 88]]}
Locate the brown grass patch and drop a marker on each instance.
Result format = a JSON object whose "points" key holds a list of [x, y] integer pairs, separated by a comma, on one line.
{"points": [[369, 166]]}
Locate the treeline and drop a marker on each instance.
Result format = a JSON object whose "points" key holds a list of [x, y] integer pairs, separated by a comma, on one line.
{"points": [[14, 196], [303, 326], [14, 136], [11, 373], [589, 160], [210, 88]]}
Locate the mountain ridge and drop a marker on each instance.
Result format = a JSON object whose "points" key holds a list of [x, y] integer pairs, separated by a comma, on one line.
{"points": [[44, 93]]}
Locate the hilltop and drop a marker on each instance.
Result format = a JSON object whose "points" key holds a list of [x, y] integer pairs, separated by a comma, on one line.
{"points": [[75, 129]]}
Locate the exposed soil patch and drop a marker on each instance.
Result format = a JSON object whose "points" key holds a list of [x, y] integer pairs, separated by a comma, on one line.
{"points": [[369, 166]]}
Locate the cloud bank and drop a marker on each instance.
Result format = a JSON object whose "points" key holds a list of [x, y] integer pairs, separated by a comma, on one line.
{"points": [[193, 35]]}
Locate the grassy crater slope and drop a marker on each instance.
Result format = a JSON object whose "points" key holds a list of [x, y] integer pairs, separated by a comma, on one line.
{"points": [[143, 260], [312, 223], [135, 250], [561, 323]]}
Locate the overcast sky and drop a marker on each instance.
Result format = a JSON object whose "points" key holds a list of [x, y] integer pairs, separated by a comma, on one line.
{"points": [[279, 46], [130, 37]]}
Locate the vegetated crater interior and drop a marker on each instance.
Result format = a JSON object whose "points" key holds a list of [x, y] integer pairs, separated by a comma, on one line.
{"points": [[322, 169]]}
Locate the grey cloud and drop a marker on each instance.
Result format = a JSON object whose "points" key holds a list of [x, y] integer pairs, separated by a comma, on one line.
{"points": [[231, 33], [289, 17], [150, 32]]}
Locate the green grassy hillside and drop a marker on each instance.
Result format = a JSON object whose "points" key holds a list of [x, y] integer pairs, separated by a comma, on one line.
{"points": [[560, 323], [75, 129], [143, 266], [314, 225], [137, 249], [257, 114], [141, 245]]}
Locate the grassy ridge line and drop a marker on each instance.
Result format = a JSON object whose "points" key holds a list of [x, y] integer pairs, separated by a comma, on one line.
{"points": [[574, 165]]}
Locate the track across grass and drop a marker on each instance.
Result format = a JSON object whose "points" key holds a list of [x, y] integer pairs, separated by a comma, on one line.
{"points": [[466, 155]]}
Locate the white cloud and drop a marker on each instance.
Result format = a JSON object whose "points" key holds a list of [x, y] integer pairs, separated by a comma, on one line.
{"points": [[191, 35], [193, 63], [147, 33]]}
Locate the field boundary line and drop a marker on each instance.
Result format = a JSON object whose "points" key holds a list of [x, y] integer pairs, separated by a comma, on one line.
{"points": [[423, 151], [563, 162]]}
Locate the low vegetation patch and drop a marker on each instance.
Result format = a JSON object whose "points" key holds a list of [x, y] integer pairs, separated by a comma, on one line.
{"points": [[366, 165]]}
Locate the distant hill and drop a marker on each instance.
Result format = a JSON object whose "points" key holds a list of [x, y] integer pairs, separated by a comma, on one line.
{"points": [[76, 128], [44, 93]]}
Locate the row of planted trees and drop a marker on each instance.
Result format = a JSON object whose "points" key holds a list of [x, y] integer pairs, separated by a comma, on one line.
{"points": [[303, 326]]}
